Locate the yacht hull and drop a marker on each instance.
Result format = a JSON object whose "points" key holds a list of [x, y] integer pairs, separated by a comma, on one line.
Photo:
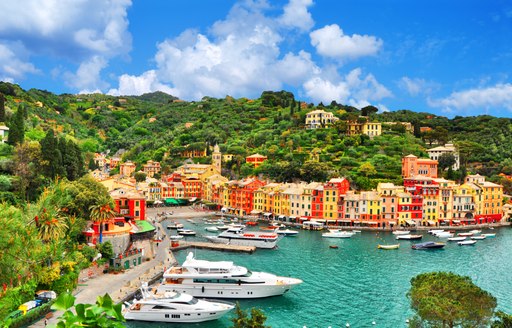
{"points": [[244, 242], [175, 316]]}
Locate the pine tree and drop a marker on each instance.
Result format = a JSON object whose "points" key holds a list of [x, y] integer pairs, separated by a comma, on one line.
{"points": [[17, 128]]}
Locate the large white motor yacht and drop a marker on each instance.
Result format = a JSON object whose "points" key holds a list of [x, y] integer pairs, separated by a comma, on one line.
{"points": [[336, 233], [237, 235], [223, 279], [173, 307]]}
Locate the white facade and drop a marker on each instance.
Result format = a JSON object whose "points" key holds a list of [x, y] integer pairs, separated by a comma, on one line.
{"points": [[449, 148]]}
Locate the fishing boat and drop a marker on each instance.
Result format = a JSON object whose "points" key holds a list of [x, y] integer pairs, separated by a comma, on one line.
{"points": [[393, 246], [489, 235], [466, 242], [334, 246]]}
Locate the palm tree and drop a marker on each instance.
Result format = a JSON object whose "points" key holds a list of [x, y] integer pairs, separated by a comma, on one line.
{"points": [[102, 213], [49, 218]]}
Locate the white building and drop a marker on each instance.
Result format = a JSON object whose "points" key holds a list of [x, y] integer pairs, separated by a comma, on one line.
{"points": [[449, 148]]}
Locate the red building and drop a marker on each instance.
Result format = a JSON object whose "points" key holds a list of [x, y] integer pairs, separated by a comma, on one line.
{"points": [[129, 203], [241, 194], [255, 159], [317, 203]]}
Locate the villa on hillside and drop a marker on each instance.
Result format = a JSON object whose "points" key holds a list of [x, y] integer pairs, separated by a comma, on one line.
{"points": [[319, 119], [256, 159], [413, 166], [435, 153]]}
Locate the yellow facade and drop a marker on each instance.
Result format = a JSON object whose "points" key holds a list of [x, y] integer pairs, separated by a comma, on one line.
{"points": [[330, 203]]}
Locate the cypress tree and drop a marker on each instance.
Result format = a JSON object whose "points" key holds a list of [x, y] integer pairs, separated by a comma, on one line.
{"points": [[2, 107], [17, 128], [51, 155]]}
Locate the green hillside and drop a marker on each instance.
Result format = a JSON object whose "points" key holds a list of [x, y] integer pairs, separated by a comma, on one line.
{"points": [[160, 127]]}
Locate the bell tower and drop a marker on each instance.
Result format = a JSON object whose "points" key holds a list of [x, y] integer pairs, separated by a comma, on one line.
{"points": [[217, 158]]}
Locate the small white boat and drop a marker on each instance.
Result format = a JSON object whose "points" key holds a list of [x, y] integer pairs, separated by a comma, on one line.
{"points": [[465, 234], [489, 235], [459, 238], [211, 229], [478, 237], [444, 234], [401, 232], [409, 237], [175, 225], [356, 231], [287, 232], [435, 231], [467, 242], [186, 232], [333, 233], [394, 246], [175, 237], [173, 307], [475, 232]]}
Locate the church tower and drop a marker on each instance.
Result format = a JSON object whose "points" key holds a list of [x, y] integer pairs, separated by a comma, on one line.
{"points": [[217, 158]]}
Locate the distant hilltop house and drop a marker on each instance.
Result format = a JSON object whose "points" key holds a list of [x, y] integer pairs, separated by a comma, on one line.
{"points": [[448, 148], [319, 119], [371, 129], [193, 153], [408, 126], [4, 132], [413, 166], [256, 159]]}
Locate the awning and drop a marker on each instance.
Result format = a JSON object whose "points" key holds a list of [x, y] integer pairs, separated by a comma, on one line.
{"points": [[318, 220], [267, 214], [293, 217], [371, 222], [456, 221], [255, 212], [313, 223], [171, 201], [280, 217], [331, 221], [410, 222], [158, 201], [224, 209], [303, 218], [345, 221], [430, 222], [356, 221]]}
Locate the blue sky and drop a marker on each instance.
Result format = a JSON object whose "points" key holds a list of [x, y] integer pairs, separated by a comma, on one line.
{"points": [[444, 57]]}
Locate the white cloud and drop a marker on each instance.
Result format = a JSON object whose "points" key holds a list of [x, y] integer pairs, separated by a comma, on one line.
{"points": [[353, 89], [296, 14], [13, 65], [499, 95], [88, 77], [330, 41], [138, 85], [76, 31]]}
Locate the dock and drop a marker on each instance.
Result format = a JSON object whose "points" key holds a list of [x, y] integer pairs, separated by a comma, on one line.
{"points": [[213, 246]]}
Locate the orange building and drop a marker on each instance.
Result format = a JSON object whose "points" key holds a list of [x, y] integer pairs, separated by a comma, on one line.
{"points": [[127, 169], [413, 166], [241, 194], [255, 159], [151, 168]]}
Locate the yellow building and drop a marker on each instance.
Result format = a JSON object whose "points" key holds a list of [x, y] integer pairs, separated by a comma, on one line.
{"points": [[371, 129], [319, 119]]}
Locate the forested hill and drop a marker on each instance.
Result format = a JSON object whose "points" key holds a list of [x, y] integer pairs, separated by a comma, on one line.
{"points": [[161, 127]]}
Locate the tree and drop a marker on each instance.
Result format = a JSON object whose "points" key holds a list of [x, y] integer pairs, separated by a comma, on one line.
{"points": [[314, 171], [367, 169], [445, 161], [368, 110], [2, 107], [17, 128], [445, 299], [503, 320], [140, 176], [52, 166], [243, 320], [27, 161], [101, 214]]}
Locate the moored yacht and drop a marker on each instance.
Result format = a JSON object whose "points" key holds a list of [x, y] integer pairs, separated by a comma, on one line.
{"points": [[336, 233], [173, 307], [237, 235], [223, 279]]}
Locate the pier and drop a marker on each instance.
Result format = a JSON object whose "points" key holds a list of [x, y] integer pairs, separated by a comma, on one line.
{"points": [[213, 246]]}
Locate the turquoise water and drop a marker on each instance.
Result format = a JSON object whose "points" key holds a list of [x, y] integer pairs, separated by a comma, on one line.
{"points": [[358, 283]]}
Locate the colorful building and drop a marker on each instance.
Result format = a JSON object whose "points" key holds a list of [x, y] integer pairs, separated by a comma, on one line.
{"points": [[319, 119], [255, 160], [126, 169], [413, 166]]}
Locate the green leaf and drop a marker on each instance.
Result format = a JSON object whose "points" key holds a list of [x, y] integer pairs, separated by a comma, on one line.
{"points": [[63, 302]]}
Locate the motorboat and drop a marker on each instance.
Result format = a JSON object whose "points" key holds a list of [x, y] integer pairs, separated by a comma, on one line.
{"points": [[435, 231], [409, 237], [175, 225], [231, 225], [393, 246], [191, 221], [356, 231], [175, 237], [173, 307], [475, 232], [287, 232], [335, 233], [480, 237], [488, 235], [237, 235], [459, 238], [444, 234], [223, 279], [465, 234], [428, 245], [401, 232], [186, 232], [466, 242], [211, 229]]}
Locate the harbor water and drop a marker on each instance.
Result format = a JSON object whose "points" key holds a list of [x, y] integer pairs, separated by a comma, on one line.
{"points": [[357, 283]]}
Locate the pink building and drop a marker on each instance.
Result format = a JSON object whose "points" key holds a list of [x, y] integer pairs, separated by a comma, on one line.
{"points": [[413, 166]]}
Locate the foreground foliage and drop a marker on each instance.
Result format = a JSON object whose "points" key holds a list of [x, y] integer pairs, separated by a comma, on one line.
{"points": [[242, 319], [102, 314], [445, 299]]}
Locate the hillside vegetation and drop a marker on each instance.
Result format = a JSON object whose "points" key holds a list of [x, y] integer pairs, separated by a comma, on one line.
{"points": [[160, 127]]}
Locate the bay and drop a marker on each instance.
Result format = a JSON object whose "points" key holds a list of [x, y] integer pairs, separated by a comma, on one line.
{"points": [[358, 283]]}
